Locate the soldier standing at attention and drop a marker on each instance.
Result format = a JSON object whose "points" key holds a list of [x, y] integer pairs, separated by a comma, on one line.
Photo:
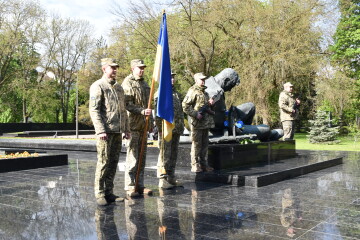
{"points": [[137, 93], [196, 104], [289, 110], [169, 150], [108, 114]]}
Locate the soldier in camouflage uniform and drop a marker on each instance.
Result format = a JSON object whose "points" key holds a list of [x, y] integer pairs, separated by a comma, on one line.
{"points": [[289, 110], [197, 104], [137, 93], [169, 150], [108, 114]]}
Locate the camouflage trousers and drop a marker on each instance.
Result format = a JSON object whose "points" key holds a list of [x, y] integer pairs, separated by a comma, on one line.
{"points": [[108, 152], [199, 146], [132, 161], [168, 155], [289, 129]]}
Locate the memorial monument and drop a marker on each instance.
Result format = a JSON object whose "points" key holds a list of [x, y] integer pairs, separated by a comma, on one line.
{"points": [[237, 120]]}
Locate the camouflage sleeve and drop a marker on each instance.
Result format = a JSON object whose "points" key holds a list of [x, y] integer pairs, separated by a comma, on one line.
{"points": [[130, 99], [127, 122], [284, 103], [188, 104], [95, 107], [124, 114]]}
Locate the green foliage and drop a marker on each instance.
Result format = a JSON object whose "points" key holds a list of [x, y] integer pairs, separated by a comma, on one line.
{"points": [[354, 131], [346, 47], [346, 144], [346, 50], [321, 130]]}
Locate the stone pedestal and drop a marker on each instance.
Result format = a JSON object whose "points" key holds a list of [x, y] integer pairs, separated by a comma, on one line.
{"points": [[234, 155]]}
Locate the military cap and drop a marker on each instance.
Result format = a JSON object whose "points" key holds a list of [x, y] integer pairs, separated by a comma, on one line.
{"points": [[288, 84], [172, 73], [137, 63], [109, 61], [200, 76]]}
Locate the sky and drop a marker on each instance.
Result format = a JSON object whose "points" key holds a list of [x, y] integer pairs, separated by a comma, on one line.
{"points": [[94, 11]]}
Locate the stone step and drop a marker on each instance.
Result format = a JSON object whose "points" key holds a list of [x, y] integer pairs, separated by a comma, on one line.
{"points": [[259, 174]]}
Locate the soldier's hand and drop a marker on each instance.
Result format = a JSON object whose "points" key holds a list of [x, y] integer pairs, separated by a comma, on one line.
{"points": [[147, 112], [211, 101], [103, 136], [199, 116], [127, 135]]}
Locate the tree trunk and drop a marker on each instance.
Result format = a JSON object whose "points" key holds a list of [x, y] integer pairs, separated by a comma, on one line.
{"points": [[25, 117]]}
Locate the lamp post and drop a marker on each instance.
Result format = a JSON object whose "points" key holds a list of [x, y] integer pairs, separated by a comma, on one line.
{"points": [[77, 107]]}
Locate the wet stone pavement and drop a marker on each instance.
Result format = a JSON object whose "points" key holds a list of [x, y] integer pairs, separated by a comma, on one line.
{"points": [[59, 203]]}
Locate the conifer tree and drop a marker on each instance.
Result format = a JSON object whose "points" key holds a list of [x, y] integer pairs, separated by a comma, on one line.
{"points": [[322, 130]]}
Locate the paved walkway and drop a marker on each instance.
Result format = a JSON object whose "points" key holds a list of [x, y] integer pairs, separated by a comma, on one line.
{"points": [[58, 203]]}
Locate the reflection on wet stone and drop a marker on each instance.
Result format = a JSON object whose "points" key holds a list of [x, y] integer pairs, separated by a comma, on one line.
{"points": [[105, 223], [58, 203]]}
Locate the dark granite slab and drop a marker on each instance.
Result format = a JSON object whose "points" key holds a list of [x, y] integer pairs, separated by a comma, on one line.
{"points": [[232, 155], [25, 163], [261, 173]]}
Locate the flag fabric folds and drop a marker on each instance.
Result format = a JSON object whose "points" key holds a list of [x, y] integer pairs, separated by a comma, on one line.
{"points": [[162, 74]]}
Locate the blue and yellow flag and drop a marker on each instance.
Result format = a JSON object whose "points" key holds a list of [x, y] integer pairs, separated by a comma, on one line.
{"points": [[162, 73]]}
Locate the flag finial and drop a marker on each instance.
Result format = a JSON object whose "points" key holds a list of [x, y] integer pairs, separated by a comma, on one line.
{"points": [[163, 11]]}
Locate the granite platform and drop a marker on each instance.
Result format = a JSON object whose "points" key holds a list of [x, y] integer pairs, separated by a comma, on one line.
{"points": [[59, 203], [40, 160]]}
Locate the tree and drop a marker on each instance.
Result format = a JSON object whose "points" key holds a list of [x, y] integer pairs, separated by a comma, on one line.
{"points": [[67, 47], [321, 130], [346, 49], [267, 43], [334, 90], [21, 27]]}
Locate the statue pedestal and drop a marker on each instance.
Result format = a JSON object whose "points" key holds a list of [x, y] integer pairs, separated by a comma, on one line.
{"points": [[233, 155], [255, 165]]}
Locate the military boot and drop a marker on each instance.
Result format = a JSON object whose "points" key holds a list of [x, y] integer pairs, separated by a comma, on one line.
{"points": [[163, 183], [101, 201], [113, 198], [146, 191], [196, 168], [132, 193], [207, 168], [174, 181]]}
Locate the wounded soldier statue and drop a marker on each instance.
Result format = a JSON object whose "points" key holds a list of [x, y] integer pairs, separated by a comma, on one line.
{"points": [[235, 121]]}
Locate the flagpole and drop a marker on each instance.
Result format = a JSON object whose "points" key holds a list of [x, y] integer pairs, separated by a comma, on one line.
{"points": [[144, 136], [147, 117]]}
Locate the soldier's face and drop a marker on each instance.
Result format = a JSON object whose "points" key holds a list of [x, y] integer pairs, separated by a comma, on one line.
{"points": [[138, 71], [110, 71], [173, 80], [200, 82], [289, 88]]}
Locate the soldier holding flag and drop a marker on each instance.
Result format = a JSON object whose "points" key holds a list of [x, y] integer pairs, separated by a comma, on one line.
{"points": [[169, 149]]}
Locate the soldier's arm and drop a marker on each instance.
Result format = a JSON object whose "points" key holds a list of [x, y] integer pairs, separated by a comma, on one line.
{"points": [[124, 114], [188, 103], [130, 100], [94, 109], [284, 104]]}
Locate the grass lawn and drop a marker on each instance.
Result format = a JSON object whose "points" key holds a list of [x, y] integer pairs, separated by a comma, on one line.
{"points": [[347, 144]]}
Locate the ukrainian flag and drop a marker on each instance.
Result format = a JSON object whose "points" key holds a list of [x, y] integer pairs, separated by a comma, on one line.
{"points": [[162, 74]]}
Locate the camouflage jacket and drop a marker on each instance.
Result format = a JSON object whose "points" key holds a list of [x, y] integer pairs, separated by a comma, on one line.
{"points": [[196, 98], [137, 93], [107, 107], [286, 103], [178, 113]]}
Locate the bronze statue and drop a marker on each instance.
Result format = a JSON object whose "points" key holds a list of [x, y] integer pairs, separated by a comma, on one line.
{"points": [[237, 120]]}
